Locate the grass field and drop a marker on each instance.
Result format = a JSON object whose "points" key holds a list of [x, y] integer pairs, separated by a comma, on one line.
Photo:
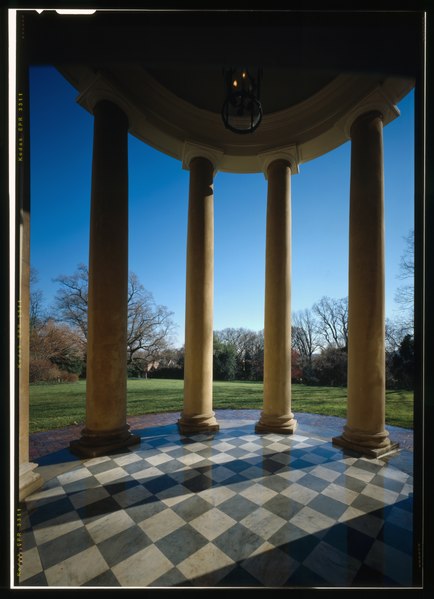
{"points": [[58, 405]]}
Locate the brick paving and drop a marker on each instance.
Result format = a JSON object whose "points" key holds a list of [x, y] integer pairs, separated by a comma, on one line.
{"points": [[44, 443]]}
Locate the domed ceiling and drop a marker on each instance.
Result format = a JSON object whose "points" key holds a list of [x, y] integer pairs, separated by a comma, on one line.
{"points": [[166, 71]]}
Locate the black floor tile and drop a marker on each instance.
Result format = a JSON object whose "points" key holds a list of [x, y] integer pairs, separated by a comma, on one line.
{"points": [[50, 510], [406, 503], [106, 579], [314, 482], [239, 577], [283, 506], [284, 459], [304, 577], [238, 542], [301, 547], [349, 540], [271, 466], [95, 510], [181, 543], [124, 544], [337, 466], [325, 452], [236, 452], [198, 483], [328, 506], [159, 483], [287, 534], [60, 548], [172, 578], [367, 465], [102, 467], [39, 580], [177, 453], [237, 466], [276, 483], [387, 483], [121, 485], [135, 466], [237, 507], [27, 539], [76, 486], [368, 504], [351, 483], [191, 508], [368, 577], [397, 537], [300, 464], [145, 509]]}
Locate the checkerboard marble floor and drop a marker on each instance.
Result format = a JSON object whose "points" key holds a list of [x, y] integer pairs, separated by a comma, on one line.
{"points": [[231, 509]]}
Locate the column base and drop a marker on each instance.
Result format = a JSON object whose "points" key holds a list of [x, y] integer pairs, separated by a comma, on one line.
{"points": [[28, 481], [371, 445], [284, 425], [93, 444], [198, 423]]}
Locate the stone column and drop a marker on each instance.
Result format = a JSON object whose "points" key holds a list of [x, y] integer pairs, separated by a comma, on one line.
{"points": [[197, 414], [106, 387], [276, 415], [365, 429], [28, 479]]}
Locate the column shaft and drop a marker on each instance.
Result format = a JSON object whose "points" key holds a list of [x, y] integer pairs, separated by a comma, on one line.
{"points": [[197, 412], [365, 428], [276, 415], [28, 480], [106, 386]]}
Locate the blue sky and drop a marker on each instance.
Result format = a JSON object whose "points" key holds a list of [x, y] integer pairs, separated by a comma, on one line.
{"points": [[61, 160]]}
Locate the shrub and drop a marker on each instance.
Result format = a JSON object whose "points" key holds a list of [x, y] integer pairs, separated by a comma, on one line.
{"points": [[44, 371], [68, 377], [330, 368], [169, 372], [41, 370]]}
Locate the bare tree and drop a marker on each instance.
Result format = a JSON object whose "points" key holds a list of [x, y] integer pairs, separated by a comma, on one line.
{"points": [[332, 318], [405, 293], [72, 297], [150, 326], [395, 332], [37, 313], [304, 334]]}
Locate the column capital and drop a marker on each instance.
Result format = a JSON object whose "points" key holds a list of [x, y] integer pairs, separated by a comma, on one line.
{"points": [[102, 89], [376, 101], [288, 153], [194, 150]]}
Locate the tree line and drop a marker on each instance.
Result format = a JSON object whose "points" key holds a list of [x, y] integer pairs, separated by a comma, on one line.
{"points": [[319, 349], [58, 337]]}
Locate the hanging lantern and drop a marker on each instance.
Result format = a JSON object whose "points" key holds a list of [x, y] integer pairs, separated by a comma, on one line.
{"points": [[242, 110]]}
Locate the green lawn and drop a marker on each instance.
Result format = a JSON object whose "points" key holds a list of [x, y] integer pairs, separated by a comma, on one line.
{"points": [[59, 405]]}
